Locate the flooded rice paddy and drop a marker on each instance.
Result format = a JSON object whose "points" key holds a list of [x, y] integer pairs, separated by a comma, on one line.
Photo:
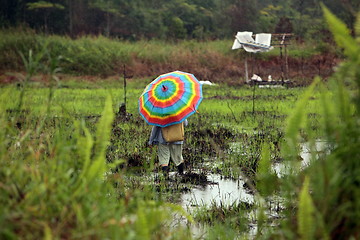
{"points": [[222, 192]]}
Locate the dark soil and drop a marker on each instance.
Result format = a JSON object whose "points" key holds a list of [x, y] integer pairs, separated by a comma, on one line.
{"points": [[195, 178], [220, 69]]}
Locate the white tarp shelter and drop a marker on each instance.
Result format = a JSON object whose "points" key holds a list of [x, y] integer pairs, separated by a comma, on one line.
{"points": [[245, 40]]}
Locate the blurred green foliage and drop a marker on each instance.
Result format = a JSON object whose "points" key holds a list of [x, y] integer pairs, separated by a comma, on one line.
{"points": [[175, 19]]}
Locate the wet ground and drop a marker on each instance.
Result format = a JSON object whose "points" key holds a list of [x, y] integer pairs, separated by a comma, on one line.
{"points": [[215, 190], [203, 189], [219, 191]]}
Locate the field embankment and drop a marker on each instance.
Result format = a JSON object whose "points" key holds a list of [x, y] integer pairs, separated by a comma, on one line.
{"points": [[214, 60]]}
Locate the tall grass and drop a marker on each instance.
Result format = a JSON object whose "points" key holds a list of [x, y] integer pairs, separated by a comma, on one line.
{"points": [[322, 201], [55, 182], [94, 55], [97, 55]]}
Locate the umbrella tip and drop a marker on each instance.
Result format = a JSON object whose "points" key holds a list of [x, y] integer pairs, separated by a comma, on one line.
{"points": [[164, 88]]}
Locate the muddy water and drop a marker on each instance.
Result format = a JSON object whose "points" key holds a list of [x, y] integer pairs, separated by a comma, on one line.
{"points": [[225, 192], [222, 192], [217, 191], [306, 156]]}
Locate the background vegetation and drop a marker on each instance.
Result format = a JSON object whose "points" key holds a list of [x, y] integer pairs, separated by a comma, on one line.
{"points": [[210, 60], [175, 19], [151, 37]]}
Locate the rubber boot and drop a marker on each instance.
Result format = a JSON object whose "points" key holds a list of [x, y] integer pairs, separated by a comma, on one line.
{"points": [[165, 170], [180, 168]]}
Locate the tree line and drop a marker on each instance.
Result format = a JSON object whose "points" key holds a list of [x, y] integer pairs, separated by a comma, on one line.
{"points": [[174, 19]]}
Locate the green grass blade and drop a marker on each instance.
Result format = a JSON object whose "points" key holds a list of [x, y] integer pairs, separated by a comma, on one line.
{"points": [[306, 223]]}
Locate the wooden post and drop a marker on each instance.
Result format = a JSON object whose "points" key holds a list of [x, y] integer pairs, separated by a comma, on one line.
{"points": [[286, 63], [253, 102], [282, 58], [254, 82], [124, 87], [246, 70]]}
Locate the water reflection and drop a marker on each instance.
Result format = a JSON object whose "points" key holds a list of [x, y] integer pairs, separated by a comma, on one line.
{"points": [[226, 192], [222, 192], [307, 154]]}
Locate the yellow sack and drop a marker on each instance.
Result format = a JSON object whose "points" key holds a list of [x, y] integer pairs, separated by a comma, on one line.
{"points": [[173, 133]]}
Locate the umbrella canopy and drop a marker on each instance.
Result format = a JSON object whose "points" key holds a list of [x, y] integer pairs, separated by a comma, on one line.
{"points": [[170, 98]]}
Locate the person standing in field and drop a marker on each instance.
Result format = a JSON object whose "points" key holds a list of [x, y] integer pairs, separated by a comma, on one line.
{"points": [[168, 149]]}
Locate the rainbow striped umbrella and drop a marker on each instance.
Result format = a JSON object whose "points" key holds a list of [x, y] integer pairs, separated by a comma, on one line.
{"points": [[170, 98]]}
